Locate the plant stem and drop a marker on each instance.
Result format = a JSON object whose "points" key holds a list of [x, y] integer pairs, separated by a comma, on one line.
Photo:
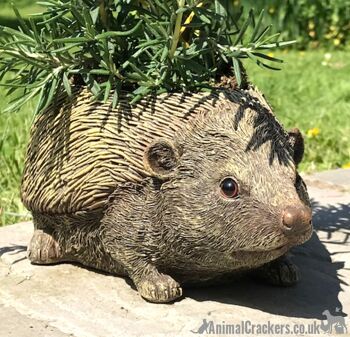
{"points": [[35, 56], [177, 30], [103, 14]]}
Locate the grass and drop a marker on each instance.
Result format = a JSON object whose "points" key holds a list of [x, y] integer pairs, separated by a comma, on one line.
{"points": [[312, 93], [7, 16], [14, 131]]}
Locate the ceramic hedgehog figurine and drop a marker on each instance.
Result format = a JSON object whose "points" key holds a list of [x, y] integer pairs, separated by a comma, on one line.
{"points": [[178, 189]]}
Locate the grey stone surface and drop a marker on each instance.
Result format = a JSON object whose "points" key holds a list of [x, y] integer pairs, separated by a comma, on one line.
{"points": [[13, 324], [339, 178], [65, 300]]}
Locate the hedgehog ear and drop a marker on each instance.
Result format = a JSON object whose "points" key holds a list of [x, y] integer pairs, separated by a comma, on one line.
{"points": [[161, 158], [296, 140]]}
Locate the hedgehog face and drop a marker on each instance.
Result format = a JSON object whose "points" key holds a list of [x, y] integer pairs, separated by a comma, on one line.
{"points": [[230, 193]]}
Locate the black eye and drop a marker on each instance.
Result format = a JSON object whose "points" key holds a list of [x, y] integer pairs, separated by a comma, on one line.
{"points": [[229, 188]]}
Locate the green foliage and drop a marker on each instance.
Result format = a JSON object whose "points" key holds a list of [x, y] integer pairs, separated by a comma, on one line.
{"points": [[312, 93], [141, 46], [7, 15], [312, 22], [14, 131]]}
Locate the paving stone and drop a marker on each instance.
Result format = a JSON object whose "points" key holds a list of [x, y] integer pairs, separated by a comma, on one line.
{"points": [[339, 178]]}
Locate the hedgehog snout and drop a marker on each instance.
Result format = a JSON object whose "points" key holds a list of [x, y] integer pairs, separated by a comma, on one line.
{"points": [[296, 220]]}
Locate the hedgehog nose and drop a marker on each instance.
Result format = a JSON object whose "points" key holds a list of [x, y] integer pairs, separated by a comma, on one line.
{"points": [[296, 220]]}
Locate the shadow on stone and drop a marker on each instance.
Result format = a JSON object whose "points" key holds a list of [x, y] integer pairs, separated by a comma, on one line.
{"points": [[12, 250], [318, 288], [331, 219]]}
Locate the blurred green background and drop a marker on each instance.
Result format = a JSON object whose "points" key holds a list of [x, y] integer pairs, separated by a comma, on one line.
{"points": [[313, 23], [311, 92]]}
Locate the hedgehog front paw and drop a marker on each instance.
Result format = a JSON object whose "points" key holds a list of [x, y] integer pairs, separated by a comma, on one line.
{"points": [[159, 288], [281, 272], [43, 249]]}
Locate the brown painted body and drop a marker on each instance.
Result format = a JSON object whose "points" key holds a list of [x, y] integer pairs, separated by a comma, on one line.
{"points": [[178, 189]]}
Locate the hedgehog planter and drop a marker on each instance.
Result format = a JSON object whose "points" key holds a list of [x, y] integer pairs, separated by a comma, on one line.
{"points": [[177, 189]]}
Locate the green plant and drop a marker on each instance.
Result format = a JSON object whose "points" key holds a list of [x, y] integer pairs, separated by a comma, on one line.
{"points": [[305, 95], [141, 46], [311, 22], [14, 131]]}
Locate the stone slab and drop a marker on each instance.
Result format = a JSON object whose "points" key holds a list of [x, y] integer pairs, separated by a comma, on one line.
{"points": [[338, 178], [65, 300], [13, 324]]}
